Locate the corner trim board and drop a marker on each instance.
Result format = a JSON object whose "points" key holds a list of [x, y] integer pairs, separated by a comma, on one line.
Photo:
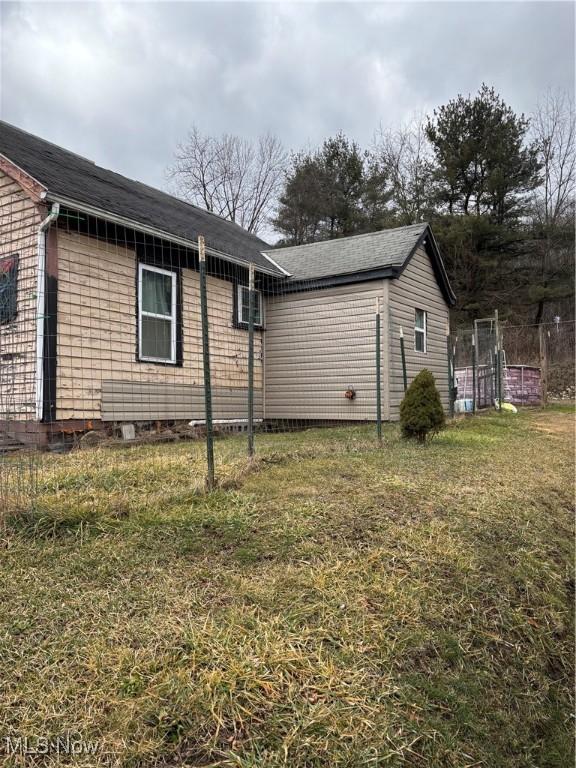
{"points": [[50, 341]]}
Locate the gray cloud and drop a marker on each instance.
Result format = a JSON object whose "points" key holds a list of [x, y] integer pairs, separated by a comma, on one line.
{"points": [[121, 83]]}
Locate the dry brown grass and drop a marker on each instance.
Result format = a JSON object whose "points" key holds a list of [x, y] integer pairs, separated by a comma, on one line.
{"points": [[333, 605]]}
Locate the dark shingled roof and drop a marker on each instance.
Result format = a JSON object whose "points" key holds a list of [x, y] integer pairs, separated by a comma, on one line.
{"points": [[68, 175], [385, 253], [358, 253], [78, 180]]}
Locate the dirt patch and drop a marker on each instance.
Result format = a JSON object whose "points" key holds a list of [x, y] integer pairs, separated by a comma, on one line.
{"points": [[555, 423]]}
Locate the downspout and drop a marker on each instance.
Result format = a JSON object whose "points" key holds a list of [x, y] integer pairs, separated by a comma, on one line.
{"points": [[41, 307]]}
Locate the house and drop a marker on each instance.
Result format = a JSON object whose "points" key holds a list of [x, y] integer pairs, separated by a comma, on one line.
{"points": [[100, 312]]}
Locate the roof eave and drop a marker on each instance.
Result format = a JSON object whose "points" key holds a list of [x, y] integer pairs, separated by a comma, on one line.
{"points": [[123, 221], [329, 281]]}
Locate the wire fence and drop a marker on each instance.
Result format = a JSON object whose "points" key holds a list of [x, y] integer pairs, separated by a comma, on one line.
{"points": [[550, 344], [116, 341], [520, 364]]}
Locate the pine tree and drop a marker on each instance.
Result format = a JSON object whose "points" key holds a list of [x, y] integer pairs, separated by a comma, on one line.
{"points": [[485, 165], [333, 192]]}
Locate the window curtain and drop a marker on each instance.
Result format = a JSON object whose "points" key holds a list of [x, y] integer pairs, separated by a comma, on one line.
{"points": [[156, 293]]}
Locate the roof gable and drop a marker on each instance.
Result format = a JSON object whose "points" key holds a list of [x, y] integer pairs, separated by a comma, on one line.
{"points": [[428, 241]]}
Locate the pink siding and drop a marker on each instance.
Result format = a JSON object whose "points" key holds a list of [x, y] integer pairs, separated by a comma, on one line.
{"points": [[521, 384]]}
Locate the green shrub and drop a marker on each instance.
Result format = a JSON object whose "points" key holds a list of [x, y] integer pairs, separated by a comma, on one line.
{"points": [[421, 411]]}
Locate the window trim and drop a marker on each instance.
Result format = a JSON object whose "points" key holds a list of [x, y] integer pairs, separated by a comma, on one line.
{"points": [[172, 360], [423, 331], [244, 323], [13, 316]]}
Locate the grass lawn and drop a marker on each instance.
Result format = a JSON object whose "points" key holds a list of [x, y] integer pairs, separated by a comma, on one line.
{"points": [[335, 604]]}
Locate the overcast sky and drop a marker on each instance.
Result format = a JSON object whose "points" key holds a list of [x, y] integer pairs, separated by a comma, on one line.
{"points": [[122, 82]]}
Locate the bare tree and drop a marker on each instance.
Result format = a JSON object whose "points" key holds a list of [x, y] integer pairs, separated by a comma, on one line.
{"points": [[233, 177], [554, 129], [406, 159]]}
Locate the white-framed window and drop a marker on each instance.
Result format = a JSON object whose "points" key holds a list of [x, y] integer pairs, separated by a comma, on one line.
{"points": [[420, 330], [156, 314], [243, 298]]}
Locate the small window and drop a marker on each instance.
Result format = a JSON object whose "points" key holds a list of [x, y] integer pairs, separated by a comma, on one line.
{"points": [[8, 280], [157, 314], [243, 306], [420, 331]]}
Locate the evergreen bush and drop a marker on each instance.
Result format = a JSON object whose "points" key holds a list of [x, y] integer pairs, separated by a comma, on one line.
{"points": [[421, 411]]}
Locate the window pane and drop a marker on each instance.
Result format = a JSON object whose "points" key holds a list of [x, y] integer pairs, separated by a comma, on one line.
{"points": [[420, 318], [245, 293], [419, 341], [8, 267], [156, 338], [156, 293], [245, 306]]}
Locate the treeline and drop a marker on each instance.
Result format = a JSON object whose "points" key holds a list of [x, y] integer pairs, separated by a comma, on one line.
{"points": [[497, 187]]}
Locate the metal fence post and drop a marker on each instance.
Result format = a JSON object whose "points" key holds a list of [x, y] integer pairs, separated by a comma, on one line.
{"points": [[403, 356], [543, 364], [454, 379], [494, 377], [251, 309], [206, 365], [473, 373], [378, 374], [499, 376], [498, 357], [450, 375]]}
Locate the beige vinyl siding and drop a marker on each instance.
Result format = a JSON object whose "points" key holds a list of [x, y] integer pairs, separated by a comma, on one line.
{"points": [[20, 218], [97, 332], [126, 401], [319, 343], [417, 288]]}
